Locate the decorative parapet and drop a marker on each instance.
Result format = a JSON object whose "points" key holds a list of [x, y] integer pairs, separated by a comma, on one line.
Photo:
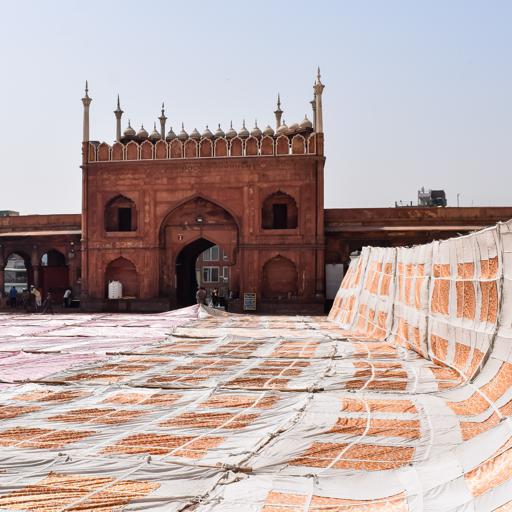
{"points": [[221, 147]]}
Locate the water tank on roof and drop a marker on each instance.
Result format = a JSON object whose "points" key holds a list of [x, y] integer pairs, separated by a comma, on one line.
{"points": [[115, 290]]}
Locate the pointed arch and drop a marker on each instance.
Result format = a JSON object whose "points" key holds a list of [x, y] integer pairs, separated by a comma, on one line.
{"points": [[103, 152], [120, 214], [117, 151], [205, 148], [161, 150], [298, 145], [190, 148], [251, 146], [282, 145], [123, 270], [91, 148], [132, 150], [267, 146], [236, 147], [146, 150], [312, 144], [176, 150], [280, 278], [279, 211], [221, 147]]}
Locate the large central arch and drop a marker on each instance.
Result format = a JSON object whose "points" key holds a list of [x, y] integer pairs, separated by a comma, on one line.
{"points": [[186, 281], [190, 228]]}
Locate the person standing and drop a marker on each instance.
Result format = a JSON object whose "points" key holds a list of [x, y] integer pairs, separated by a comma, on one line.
{"points": [[215, 297], [38, 298], [201, 296], [13, 294], [48, 304], [67, 298]]}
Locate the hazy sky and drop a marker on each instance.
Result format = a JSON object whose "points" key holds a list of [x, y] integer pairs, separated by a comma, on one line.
{"points": [[418, 93]]}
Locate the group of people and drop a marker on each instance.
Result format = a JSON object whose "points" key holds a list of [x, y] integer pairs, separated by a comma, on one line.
{"points": [[202, 295], [31, 299]]}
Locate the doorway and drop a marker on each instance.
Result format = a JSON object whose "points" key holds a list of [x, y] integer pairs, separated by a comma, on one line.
{"points": [[186, 277]]}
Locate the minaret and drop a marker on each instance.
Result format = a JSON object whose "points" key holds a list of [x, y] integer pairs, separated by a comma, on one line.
{"points": [[118, 113], [318, 88], [313, 107], [86, 101], [278, 112], [162, 119]]}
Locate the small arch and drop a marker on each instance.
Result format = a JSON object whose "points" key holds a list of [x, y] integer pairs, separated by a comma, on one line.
{"points": [[146, 150], [117, 151], [132, 150], [103, 152], [120, 214], [312, 144], [267, 146], [279, 278], [282, 145], [124, 271], [236, 147], [161, 150], [176, 149], [279, 211], [92, 152], [206, 148], [190, 148], [221, 147], [298, 145], [251, 146]]}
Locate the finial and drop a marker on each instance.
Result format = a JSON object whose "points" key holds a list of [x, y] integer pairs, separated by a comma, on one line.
{"points": [[318, 73], [231, 124], [256, 123], [182, 125], [278, 101], [243, 123], [154, 125], [86, 88], [129, 125], [163, 109], [219, 126], [118, 104]]}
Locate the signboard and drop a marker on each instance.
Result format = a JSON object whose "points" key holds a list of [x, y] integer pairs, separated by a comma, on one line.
{"points": [[249, 302]]}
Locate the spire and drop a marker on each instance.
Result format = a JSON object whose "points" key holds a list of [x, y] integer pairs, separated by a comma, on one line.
{"points": [[278, 112], [118, 113], [86, 101], [318, 89], [162, 119]]}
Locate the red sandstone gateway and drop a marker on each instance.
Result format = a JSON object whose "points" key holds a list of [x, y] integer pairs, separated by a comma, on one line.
{"points": [[153, 202]]}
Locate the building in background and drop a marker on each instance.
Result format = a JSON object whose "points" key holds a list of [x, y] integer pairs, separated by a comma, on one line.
{"points": [[431, 197], [212, 271]]}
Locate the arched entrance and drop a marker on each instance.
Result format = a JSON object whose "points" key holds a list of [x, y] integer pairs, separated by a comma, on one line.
{"points": [[191, 228], [17, 272], [186, 277], [54, 274]]}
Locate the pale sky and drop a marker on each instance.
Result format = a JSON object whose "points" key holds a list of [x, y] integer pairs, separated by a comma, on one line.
{"points": [[418, 93]]}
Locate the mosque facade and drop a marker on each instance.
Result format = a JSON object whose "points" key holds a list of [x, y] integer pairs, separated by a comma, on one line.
{"points": [[152, 202]]}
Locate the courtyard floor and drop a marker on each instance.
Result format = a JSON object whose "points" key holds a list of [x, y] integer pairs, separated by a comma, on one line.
{"points": [[199, 409]]}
